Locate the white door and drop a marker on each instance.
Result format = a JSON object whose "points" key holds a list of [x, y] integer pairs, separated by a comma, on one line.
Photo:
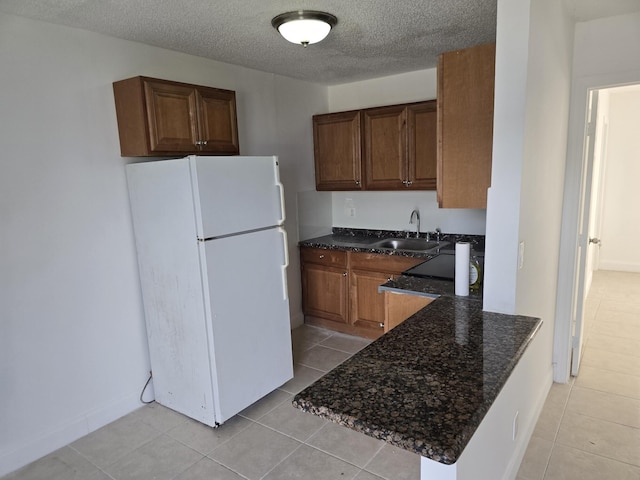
{"points": [[597, 194], [248, 312], [582, 251], [236, 194]]}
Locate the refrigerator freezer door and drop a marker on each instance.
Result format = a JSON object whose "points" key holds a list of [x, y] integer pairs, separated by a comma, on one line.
{"points": [[236, 194], [248, 311]]}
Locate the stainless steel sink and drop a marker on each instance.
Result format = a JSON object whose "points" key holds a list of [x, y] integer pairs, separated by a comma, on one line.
{"points": [[413, 244]]}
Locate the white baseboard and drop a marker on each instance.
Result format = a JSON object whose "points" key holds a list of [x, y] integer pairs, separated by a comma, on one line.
{"points": [[619, 266], [71, 430]]}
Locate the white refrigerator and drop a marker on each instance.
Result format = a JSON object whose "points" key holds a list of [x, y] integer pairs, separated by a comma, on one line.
{"points": [[212, 255]]}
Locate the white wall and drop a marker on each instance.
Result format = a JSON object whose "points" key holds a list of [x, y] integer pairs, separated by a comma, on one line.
{"points": [[503, 201], [544, 159], [391, 210], [620, 215], [606, 53], [533, 65], [73, 352]]}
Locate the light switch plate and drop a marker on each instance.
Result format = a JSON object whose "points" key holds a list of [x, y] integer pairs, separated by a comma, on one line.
{"points": [[521, 255]]}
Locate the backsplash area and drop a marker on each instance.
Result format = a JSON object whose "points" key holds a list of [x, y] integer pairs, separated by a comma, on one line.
{"points": [[318, 212], [391, 211]]}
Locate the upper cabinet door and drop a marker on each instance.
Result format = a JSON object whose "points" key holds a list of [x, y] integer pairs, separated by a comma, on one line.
{"points": [[465, 126], [171, 117], [337, 146], [422, 120], [217, 122], [162, 118], [385, 148]]}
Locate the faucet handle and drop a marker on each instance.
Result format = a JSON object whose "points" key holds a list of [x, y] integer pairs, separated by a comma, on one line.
{"points": [[437, 233]]}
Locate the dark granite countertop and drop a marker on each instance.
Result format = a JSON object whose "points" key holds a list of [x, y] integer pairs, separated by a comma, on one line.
{"points": [[360, 240], [358, 244], [427, 287], [426, 385]]}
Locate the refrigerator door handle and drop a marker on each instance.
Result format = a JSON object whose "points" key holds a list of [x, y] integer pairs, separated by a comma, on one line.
{"points": [[281, 190], [285, 243]]}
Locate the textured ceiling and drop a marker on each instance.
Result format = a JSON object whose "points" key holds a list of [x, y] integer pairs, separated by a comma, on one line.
{"points": [[373, 38]]}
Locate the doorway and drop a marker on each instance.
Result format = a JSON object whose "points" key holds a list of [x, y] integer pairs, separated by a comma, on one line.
{"points": [[600, 217]]}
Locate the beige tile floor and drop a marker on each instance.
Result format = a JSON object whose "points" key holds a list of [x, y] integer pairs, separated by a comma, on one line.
{"points": [[589, 429], [270, 440]]}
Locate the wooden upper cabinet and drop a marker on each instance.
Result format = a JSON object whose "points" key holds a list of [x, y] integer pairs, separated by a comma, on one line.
{"points": [[422, 153], [163, 118], [465, 126], [171, 111], [217, 120], [385, 148], [337, 151], [397, 151]]}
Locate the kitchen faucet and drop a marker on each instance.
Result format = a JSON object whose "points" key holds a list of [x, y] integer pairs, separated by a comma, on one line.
{"points": [[415, 213]]}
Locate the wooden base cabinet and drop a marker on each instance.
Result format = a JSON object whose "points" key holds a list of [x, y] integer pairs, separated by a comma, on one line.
{"points": [[367, 304], [340, 289], [163, 118], [325, 284]]}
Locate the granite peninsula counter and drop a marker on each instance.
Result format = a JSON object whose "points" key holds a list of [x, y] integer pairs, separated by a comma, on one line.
{"points": [[427, 384]]}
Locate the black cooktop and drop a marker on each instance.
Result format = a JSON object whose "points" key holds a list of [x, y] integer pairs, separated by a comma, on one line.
{"points": [[442, 266]]}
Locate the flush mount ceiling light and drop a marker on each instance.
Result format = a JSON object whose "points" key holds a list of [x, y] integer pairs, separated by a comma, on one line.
{"points": [[304, 26]]}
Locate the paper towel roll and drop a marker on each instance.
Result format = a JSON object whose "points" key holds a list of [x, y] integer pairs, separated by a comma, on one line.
{"points": [[463, 250]]}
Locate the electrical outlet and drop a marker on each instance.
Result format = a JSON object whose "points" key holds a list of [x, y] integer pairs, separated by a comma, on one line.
{"points": [[521, 255], [515, 426], [349, 207]]}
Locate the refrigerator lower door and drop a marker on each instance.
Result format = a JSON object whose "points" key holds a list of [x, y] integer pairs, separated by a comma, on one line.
{"points": [[248, 317]]}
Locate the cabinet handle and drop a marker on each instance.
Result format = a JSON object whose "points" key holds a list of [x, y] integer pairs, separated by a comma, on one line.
{"points": [[200, 142], [389, 279], [358, 182], [381, 325], [321, 256], [344, 274]]}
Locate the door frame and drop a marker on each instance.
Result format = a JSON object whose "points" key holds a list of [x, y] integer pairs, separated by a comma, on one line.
{"points": [[573, 196]]}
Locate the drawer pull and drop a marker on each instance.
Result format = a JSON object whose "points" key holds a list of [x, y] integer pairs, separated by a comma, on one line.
{"points": [[381, 325], [321, 256], [344, 274]]}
